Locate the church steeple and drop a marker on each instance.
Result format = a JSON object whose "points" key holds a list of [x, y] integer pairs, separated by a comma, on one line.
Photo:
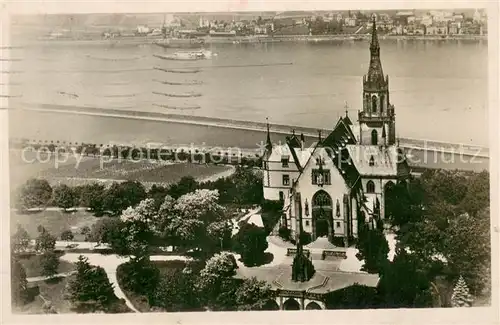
{"points": [[377, 117], [375, 79]]}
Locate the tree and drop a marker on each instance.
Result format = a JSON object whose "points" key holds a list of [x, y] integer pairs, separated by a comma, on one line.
{"points": [[34, 193], [158, 194], [248, 186], [216, 285], [67, 235], [45, 242], [192, 215], [186, 184], [253, 294], [468, 249], [140, 276], [18, 282], [403, 283], [138, 229], [251, 243], [90, 290], [372, 248], [120, 196], [461, 296], [20, 240], [65, 196], [176, 291], [49, 262], [103, 230], [92, 196], [477, 197]]}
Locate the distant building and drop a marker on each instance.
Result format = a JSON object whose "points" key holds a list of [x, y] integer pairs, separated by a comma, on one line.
{"points": [[426, 20], [143, 29], [222, 33], [339, 17], [350, 21]]}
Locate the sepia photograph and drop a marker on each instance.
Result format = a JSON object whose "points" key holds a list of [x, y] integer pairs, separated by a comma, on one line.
{"points": [[248, 160]]}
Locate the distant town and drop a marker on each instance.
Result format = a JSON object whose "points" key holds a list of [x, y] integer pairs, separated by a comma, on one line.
{"points": [[328, 23]]}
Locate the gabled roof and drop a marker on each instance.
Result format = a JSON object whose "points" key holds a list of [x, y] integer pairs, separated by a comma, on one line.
{"points": [[385, 159], [293, 141], [335, 143]]}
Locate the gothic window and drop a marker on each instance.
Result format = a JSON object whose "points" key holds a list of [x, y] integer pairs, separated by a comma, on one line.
{"points": [[322, 199], [382, 97], [372, 161], [322, 178], [370, 187], [374, 137], [338, 224], [367, 100], [374, 104]]}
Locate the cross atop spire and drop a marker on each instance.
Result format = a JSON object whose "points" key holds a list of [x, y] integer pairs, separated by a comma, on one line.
{"points": [[374, 45]]}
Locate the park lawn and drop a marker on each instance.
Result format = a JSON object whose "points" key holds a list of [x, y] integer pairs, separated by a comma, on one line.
{"points": [[52, 291], [89, 169], [33, 267], [140, 302], [55, 222]]}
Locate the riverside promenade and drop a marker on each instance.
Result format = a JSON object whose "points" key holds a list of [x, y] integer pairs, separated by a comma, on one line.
{"points": [[421, 153]]}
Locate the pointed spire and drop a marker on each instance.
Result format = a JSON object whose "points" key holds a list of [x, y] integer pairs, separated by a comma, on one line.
{"points": [[374, 45], [269, 145], [375, 78]]}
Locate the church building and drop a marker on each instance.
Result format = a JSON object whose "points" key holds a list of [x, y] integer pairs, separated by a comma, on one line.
{"points": [[342, 178]]}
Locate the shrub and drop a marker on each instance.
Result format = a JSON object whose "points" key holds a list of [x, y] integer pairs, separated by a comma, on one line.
{"points": [[67, 235], [284, 233]]}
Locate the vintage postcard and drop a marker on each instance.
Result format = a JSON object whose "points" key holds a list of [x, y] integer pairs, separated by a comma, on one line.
{"points": [[250, 159]]}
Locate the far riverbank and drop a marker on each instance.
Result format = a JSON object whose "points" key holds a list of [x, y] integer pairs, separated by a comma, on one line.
{"points": [[260, 39]]}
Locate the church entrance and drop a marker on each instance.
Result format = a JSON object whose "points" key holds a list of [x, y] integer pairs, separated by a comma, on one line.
{"points": [[322, 213]]}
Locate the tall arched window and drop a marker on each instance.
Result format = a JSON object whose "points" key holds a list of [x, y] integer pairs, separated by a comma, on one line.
{"points": [[370, 187], [374, 104], [382, 97], [374, 137]]}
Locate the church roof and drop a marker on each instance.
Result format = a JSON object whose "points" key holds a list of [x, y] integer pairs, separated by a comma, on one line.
{"points": [[335, 143], [385, 159]]}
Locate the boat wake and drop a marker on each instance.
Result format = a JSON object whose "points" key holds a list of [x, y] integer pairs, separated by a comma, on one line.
{"points": [[189, 83], [119, 96], [114, 59], [178, 70], [177, 107], [178, 95]]}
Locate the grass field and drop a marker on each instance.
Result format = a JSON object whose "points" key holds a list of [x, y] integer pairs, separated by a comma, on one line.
{"points": [[55, 222], [33, 267], [73, 171], [52, 291]]}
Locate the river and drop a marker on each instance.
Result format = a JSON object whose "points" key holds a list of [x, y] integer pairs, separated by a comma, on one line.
{"points": [[439, 88]]}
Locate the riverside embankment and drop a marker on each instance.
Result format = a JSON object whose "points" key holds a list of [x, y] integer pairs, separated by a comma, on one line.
{"points": [[204, 133]]}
